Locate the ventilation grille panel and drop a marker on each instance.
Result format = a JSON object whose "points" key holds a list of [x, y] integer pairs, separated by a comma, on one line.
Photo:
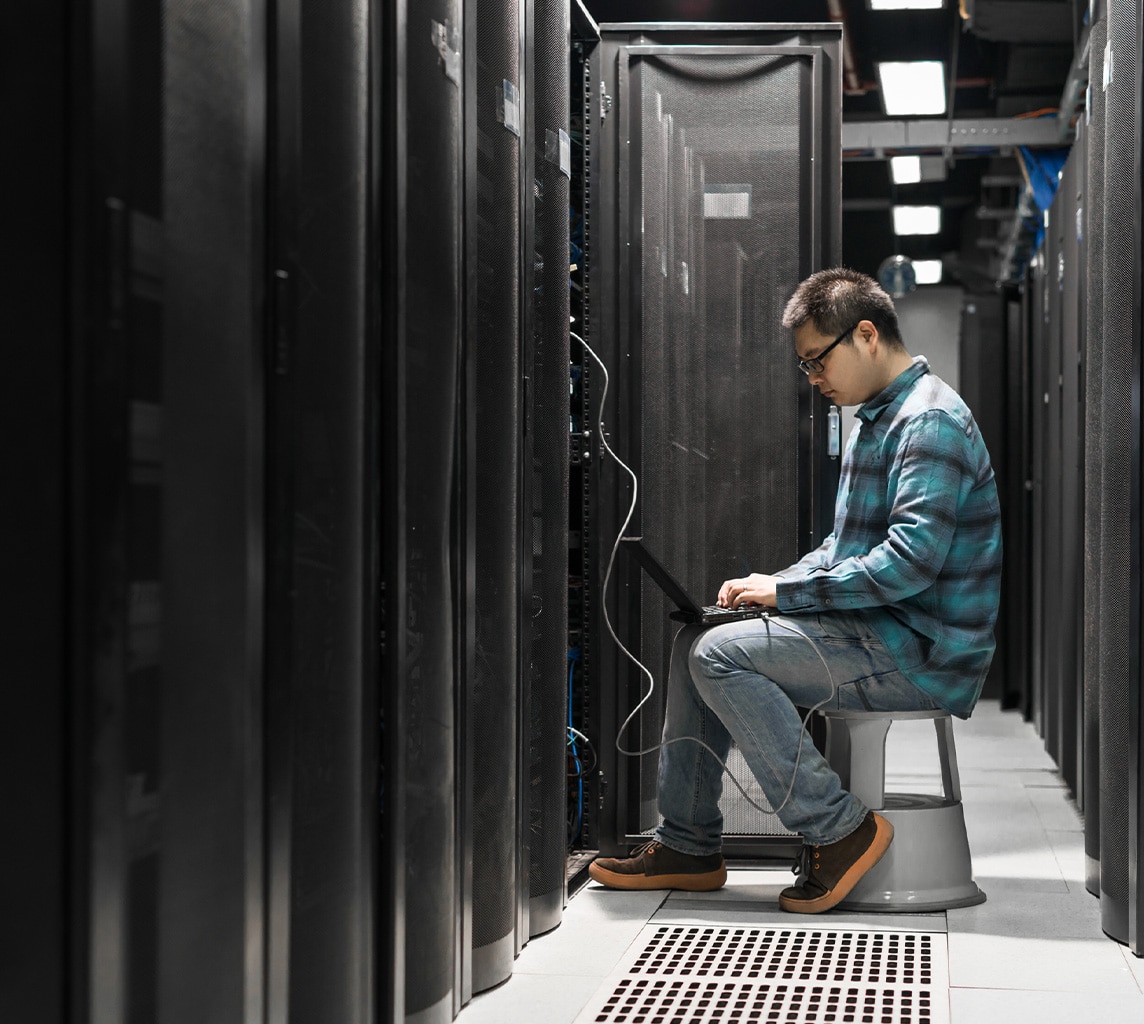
{"points": [[700, 973]]}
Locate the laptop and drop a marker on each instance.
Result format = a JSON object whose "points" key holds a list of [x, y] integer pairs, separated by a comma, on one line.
{"points": [[687, 609]]}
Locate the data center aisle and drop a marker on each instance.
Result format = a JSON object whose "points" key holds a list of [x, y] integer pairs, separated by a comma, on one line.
{"points": [[1034, 951]]}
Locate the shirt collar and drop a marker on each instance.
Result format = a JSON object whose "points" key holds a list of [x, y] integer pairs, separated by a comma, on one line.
{"points": [[871, 410]]}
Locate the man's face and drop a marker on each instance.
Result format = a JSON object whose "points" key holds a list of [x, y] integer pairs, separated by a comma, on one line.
{"points": [[847, 371]]}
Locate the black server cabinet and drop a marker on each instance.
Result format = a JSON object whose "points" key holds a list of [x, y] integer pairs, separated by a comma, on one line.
{"points": [[1036, 300], [1056, 340], [1092, 139], [1119, 634], [584, 713], [546, 478], [719, 169], [167, 511], [1070, 622], [984, 379], [1049, 472], [37, 924], [1016, 506], [322, 571], [419, 172], [493, 428]]}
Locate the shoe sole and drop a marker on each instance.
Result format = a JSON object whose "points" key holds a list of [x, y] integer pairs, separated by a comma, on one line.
{"points": [[708, 881], [883, 834]]}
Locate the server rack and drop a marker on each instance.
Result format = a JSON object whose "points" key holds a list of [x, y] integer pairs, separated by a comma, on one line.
{"points": [[1035, 301], [1092, 138], [168, 472], [274, 401], [1067, 652], [322, 372], [424, 588], [495, 220], [1016, 506], [587, 104], [546, 481], [1119, 633], [984, 382], [1049, 343], [42, 920], [714, 144], [1056, 340]]}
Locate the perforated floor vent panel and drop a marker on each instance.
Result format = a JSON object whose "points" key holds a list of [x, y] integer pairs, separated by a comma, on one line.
{"points": [[684, 974]]}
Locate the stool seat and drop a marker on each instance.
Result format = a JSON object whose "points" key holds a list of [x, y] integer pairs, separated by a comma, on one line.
{"points": [[928, 865]]}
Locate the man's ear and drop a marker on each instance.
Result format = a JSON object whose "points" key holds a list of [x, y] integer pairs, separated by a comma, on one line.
{"points": [[868, 333]]}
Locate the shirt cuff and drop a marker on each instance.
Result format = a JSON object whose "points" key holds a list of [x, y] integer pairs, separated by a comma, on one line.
{"points": [[794, 595]]}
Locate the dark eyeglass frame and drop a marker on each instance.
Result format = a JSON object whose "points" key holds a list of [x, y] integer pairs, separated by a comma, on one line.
{"points": [[809, 366]]}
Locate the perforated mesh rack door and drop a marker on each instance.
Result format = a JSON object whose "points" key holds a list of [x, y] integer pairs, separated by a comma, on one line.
{"points": [[1119, 689], [1093, 140], [722, 189]]}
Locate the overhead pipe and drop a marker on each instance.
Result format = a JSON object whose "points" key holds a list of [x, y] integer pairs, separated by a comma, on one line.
{"points": [[851, 83], [1075, 84]]}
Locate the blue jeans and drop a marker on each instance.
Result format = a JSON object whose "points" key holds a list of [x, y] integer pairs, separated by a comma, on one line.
{"points": [[744, 681]]}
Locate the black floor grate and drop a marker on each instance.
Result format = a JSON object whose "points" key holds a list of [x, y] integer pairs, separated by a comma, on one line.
{"points": [[695, 974], [789, 954]]}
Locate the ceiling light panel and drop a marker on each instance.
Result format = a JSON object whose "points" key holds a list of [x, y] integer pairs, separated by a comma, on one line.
{"points": [[906, 170], [927, 271], [917, 220], [905, 5], [913, 87]]}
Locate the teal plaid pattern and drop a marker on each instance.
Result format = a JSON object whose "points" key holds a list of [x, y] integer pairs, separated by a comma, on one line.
{"points": [[917, 538]]}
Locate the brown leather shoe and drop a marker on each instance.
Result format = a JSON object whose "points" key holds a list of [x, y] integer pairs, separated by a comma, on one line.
{"points": [[655, 866], [831, 871]]}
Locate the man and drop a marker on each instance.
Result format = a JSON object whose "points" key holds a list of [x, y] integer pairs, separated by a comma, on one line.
{"points": [[899, 602]]}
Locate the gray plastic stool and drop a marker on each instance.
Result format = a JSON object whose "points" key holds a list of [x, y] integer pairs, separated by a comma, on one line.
{"points": [[928, 866]]}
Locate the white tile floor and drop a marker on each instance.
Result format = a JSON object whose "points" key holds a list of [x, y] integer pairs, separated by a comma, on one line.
{"points": [[1034, 951]]}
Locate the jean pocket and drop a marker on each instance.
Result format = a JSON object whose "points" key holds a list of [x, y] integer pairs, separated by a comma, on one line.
{"points": [[849, 697]]}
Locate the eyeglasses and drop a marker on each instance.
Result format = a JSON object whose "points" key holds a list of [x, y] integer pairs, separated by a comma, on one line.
{"points": [[809, 366]]}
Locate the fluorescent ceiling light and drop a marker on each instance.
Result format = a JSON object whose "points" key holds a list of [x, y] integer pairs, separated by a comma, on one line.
{"points": [[906, 5], [917, 220], [927, 271], [906, 170], [912, 87]]}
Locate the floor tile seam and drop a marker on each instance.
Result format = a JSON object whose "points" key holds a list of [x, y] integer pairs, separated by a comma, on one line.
{"points": [[839, 926], [1038, 988], [548, 973], [1016, 775], [1135, 966]]}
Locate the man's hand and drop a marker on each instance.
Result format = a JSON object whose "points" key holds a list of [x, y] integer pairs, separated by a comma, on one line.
{"points": [[754, 589]]}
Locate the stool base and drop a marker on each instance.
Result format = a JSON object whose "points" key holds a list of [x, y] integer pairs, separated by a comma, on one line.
{"points": [[927, 866]]}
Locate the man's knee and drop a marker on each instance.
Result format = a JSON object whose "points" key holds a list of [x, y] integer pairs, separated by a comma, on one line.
{"points": [[707, 658]]}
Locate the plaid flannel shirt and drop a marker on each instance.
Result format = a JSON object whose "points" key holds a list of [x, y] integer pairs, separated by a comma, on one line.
{"points": [[917, 538]]}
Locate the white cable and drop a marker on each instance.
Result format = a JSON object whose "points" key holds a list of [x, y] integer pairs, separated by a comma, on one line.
{"points": [[578, 733], [641, 666]]}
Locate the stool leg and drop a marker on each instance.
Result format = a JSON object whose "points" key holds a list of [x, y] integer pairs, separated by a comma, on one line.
{"points": [[947, 754], [838, 749], [868, 760]]}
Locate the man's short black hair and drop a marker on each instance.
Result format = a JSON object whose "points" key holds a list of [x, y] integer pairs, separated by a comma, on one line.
{"points": [[837, 299]]}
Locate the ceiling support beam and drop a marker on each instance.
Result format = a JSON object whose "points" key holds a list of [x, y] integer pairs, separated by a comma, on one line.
{"points": [[918, 134], [1075, 85]]}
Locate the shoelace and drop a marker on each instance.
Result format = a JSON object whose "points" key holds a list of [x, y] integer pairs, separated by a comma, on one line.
{"points": [[804, 861]]}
